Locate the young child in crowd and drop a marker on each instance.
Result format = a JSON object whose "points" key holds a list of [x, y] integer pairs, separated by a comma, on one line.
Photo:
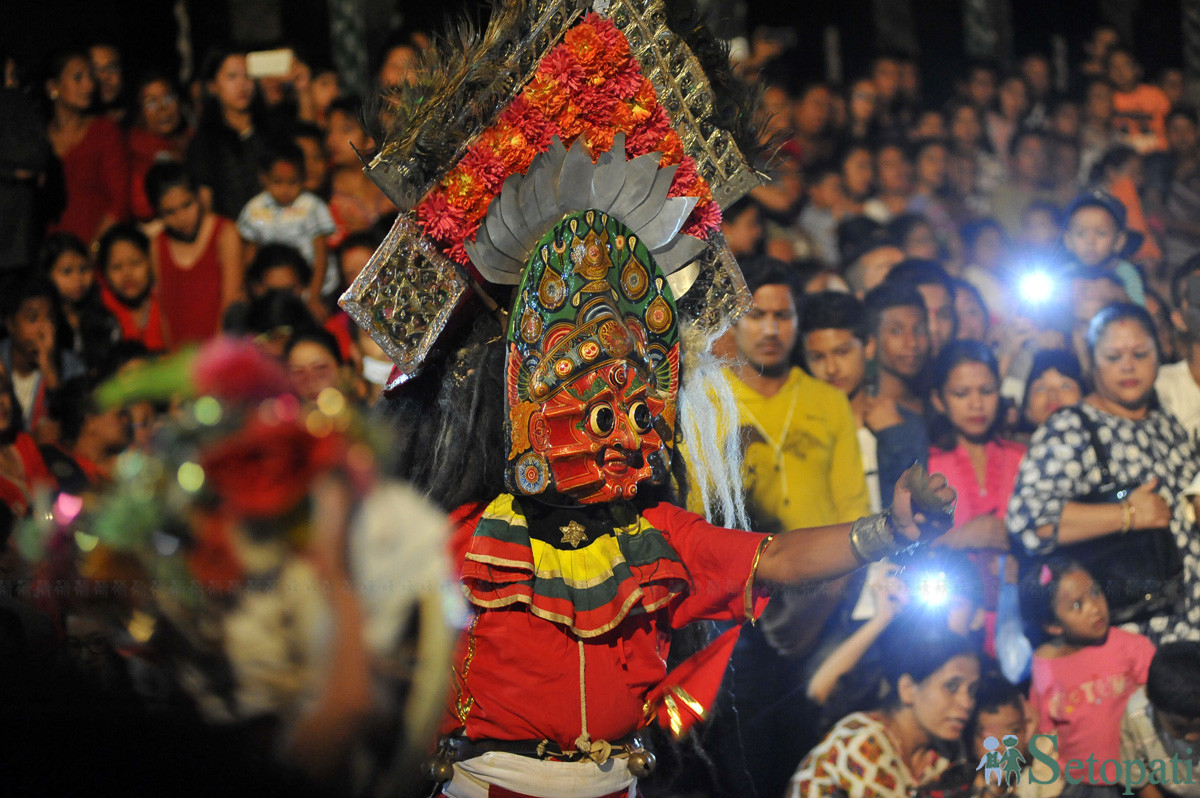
{"points": [[284, 213], [1162, 722], [87, 328], [826, 206], [978, 464], [1001, 713], [30, 354], [1095, 235], [128, 287], [1085, 671], [275, 267]]}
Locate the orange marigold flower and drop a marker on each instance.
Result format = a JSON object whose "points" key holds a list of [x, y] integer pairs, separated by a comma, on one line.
{"points": [[570, 124], [622, 118], [587, 48], [645, 100], [613, 42], [546, 93], [671, 147], [599, 139]]}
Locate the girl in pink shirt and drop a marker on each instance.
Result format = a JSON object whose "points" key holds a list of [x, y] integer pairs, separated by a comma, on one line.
{"points": [[1085, 671], [980, 466]]}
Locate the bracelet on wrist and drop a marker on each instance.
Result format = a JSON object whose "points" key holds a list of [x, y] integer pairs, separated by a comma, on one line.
{"points": [[1126, 516], [873, 538]]}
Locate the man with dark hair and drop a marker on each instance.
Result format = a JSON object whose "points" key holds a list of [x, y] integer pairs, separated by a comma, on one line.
{"points": [[937, 290], [802, 458], [897, 328], [1161, 725], [837, 350]]}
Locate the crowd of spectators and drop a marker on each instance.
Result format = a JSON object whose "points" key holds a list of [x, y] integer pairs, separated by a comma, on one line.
{"points": [[1003, 284]]}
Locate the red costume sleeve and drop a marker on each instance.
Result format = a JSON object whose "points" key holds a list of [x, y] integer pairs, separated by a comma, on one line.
{"points": [[719, 562]]}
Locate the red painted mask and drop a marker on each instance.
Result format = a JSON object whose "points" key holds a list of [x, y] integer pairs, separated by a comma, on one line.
{"points": [[593, 366], [599, 435]]}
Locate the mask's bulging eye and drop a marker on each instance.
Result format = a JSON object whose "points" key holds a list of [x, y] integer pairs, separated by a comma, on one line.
{"points": [[639, 416], [601, 420]]}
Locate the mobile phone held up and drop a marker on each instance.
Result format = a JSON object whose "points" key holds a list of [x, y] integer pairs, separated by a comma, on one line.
{"points": [[269, 63]]}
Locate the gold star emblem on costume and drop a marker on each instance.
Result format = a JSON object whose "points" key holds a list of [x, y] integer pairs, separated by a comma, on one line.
{"points": [[574, 534]]}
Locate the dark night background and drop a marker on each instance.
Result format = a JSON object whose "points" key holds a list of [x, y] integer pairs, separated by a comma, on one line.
{"points": [[145, 30]]}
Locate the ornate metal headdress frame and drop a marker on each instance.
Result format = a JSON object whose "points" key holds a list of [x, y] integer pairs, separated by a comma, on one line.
{"points": [[406, 294]]}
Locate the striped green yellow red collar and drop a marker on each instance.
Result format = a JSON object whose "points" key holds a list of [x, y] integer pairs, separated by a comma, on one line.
{"points": [[589, 590]]}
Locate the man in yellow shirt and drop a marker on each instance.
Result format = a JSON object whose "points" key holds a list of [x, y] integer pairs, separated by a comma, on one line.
{"points": [[802, 463]]}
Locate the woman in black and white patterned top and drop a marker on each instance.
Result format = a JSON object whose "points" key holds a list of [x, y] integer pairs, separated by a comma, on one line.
{"points": [[1147, 447]]}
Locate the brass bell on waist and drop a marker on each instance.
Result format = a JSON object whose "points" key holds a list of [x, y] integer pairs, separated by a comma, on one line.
{"points": [[440, 770], [641, 763]]}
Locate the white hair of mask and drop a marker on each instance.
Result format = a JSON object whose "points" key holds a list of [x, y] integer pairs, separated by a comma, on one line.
{"points": [[708, 423]]}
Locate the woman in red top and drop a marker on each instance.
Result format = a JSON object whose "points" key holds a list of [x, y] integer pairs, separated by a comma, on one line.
{"points": [[128, 286], [197, 257], [967, 448], [158, 134], [92, 151]]}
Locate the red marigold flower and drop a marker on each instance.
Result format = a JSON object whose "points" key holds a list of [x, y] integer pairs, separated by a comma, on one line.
{"points": [[596, 105], [529, 119], [486, 165], [561, 66], [685, 178], [437, 217], [456, 251], [705, 218], [646, 137], [626, 80]]}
